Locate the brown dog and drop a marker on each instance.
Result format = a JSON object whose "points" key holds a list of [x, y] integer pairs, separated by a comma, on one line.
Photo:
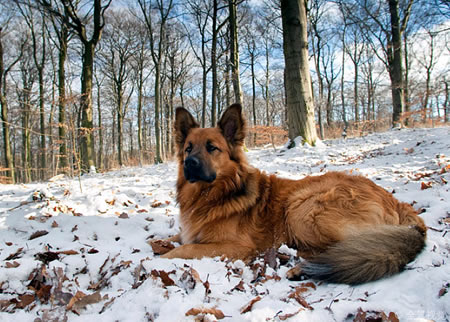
{"points": [[351, 230]]}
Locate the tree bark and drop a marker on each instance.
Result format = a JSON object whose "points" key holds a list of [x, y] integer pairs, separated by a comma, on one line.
{"points": [[396, 64], [9, 160], [62, 56], [300, 103], [234, 52]]}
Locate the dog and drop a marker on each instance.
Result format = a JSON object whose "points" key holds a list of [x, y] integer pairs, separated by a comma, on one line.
{"points": [[347, 228]]}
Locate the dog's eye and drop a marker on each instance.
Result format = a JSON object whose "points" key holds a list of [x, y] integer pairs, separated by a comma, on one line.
{"points": [[189, 148], [210, 148]]}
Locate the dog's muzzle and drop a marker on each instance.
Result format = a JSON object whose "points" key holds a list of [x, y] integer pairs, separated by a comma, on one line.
{"points": [[195, 170]]}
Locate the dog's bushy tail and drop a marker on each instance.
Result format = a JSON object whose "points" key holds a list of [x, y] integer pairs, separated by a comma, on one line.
{"points": [[368, 255]]}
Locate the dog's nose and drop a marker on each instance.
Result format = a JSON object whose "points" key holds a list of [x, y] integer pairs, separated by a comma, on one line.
{"points": [[192, 162]]}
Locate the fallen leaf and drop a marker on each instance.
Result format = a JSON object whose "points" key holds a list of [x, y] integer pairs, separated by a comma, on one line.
{"points": [[15, 255], [68, 252], [124, 215], [167, 281], [12, 265], [55, 224], [196, 311], [47, 257], [239, 287], [75, 228], [140, 211], [155, 204], [8, 243], [425, 185], [160, 247], [289, 315], [25, 300], [248, 307], [38, 234], [92, 251], [363, 316], [300, 299]]}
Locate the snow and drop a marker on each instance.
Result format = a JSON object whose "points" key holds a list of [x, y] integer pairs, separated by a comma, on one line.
{"points": [[107, 219]]}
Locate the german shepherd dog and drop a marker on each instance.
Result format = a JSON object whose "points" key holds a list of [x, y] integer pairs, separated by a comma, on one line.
{"points": [[349, 229]]}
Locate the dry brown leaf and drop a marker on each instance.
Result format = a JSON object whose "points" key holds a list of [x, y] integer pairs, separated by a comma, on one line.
{"points": [[248, 307], [92, 251], [15, 255], [140, 211], [425, 185], [155, 204], [86, 300], [300, 299], [124, 215], [239, 286], [8, 243], [12, 265], [160, 247], [78, 295], [363, 316], [68, 252], [55, 224], [289, 315], [24, 300], [167, 281], [38, 234], [196, 311]]}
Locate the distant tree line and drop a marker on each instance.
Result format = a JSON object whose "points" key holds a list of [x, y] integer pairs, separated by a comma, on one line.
{"points": [[92, 85]]}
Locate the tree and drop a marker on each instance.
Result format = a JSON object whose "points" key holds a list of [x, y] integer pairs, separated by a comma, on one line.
{"points": [[39, 47], [120, 40], [5, 68], [300, 103], [157, 34], [234, 51], [68, 13]]}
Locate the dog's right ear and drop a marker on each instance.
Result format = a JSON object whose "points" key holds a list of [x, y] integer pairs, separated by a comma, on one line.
{"points": [[184, 122]]}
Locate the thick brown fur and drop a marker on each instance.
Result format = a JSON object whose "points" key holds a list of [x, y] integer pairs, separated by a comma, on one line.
{"points": [[350, 230]]}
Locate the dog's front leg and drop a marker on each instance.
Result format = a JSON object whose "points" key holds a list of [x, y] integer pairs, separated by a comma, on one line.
{"points": [[190, 251]]}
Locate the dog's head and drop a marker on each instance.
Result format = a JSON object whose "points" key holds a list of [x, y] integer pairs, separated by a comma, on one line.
{"points": [[205, 153]]}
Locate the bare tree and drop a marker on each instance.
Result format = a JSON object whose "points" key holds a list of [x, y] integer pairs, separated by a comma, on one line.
{"points": [[234, 50], [157, 33], [68, 13]]}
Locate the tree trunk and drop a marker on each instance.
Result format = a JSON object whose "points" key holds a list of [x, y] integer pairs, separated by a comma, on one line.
{"points": [[139, 113], [9, 160], [63, 161], [446, 105], [406, 92], [395, 64], [234, 52], [158, 154], [100, 161], [120, 117], [87, 125], [300, 103], [355, 90], [214, 66]]}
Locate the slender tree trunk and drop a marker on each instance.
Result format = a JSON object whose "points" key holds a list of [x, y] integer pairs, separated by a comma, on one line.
{"points": [[300, 103], [395, 64], [344, 116], [407, 67], [266, 85], [227, 81], [100, 129], [62, 126], [158, 153], [234, 48], [139, 113], [214, 66], [87, 125], [120, 117], [355, 90], [204, 91], [9, 160], [446, 102]]}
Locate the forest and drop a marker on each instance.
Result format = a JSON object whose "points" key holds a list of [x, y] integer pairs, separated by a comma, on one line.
{"points": [[92, 85]]}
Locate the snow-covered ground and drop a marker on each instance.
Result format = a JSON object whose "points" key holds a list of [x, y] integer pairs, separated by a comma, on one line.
{"points": [[77, 249]]}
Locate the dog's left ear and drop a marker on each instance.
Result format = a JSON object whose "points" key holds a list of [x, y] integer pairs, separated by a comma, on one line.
{"points": [[232, 124], [184, 122]]}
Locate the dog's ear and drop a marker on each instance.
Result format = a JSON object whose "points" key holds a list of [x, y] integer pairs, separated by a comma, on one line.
{"points": [[232, 124], [184, 122]]}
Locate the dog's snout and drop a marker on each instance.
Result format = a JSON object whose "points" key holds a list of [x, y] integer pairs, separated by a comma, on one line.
{"points": [[192, 162]]}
